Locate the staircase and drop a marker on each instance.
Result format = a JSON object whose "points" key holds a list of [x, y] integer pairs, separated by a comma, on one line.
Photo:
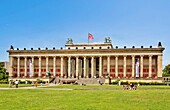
{"points": [[51, 80], [90, 81], [57, 80]]}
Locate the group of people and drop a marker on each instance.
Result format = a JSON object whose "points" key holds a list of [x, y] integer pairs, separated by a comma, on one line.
{"points": [[15, 83], [130, 86], [11, 83]]}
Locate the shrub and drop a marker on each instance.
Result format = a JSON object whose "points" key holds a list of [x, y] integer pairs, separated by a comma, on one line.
{"points": [[4, 82]]}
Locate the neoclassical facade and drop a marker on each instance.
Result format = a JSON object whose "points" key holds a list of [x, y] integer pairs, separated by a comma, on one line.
{"points": [[87, 61]]}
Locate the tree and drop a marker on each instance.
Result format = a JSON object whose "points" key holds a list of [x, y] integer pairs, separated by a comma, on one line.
{"points": [[166, 70], [3, 75]]}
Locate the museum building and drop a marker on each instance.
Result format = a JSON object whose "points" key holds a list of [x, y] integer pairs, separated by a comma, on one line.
{"points": [[89, 60]]}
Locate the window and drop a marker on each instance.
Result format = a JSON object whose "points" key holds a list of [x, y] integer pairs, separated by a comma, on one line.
{"points": [[58, 70], [112, 70], [144, 70], [120, 70], [129, 70]]}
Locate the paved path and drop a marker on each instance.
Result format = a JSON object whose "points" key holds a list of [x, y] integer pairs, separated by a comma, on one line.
{"points": [[39, 87]]}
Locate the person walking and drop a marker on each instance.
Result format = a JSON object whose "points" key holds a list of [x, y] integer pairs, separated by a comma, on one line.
{"points": [[36, 84], [10, 83], [16, 83]]}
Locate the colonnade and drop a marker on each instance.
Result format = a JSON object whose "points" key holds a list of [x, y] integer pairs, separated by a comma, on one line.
{"points": [[85, 65]]}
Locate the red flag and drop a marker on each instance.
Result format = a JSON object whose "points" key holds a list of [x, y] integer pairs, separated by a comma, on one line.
{"points": [[90, 36]]}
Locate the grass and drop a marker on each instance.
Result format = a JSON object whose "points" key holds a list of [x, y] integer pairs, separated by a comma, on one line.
{"points": [[77, 87], [92, 98]]}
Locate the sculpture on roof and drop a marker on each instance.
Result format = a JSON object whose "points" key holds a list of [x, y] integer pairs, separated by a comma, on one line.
{"points": [[11, 48], [159, 44], [69, 41], [107, 40]]}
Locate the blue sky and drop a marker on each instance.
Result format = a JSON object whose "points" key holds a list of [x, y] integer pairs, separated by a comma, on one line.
{"points": [[48, 23]]}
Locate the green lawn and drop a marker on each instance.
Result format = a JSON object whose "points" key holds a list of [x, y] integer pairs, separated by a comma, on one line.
{"points": [[86, 98]]}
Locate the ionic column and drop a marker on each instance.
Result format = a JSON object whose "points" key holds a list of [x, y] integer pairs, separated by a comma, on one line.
{"points": [[141, 66], [87, 75], [124, 67], [62, 66], [69, 66], [77, 67], [11, 60], [80, 68], [54, 66], [73, 68], [100, 66], [47, 69], [159, 66], [18, 68], [116, 65], [32, 67], [85, 67], [133, 66], [108, 65], [150, 65], [92, 66], [25, 65], [39, 74]]}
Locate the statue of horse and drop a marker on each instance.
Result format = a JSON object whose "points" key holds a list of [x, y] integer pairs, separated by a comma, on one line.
{"points": [[69, 41], [107, 40]]}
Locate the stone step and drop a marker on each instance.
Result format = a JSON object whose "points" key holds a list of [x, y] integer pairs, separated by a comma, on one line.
{"points": [[79, 81]]}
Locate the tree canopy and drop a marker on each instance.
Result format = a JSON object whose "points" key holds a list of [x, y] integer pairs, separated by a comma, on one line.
{"points": [[166, 70], [3, 75]]}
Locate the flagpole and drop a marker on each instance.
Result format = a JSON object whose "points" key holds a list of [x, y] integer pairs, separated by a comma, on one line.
{"points": [[88, 38]]}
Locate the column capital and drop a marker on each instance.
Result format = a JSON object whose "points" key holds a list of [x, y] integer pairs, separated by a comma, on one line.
{"points": [[150, 55], [46, 56], [117, 56], [39, 56], [54, 58], [132, 55], [142, 55], [77, 56], [160, 55], [124, 55]]}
